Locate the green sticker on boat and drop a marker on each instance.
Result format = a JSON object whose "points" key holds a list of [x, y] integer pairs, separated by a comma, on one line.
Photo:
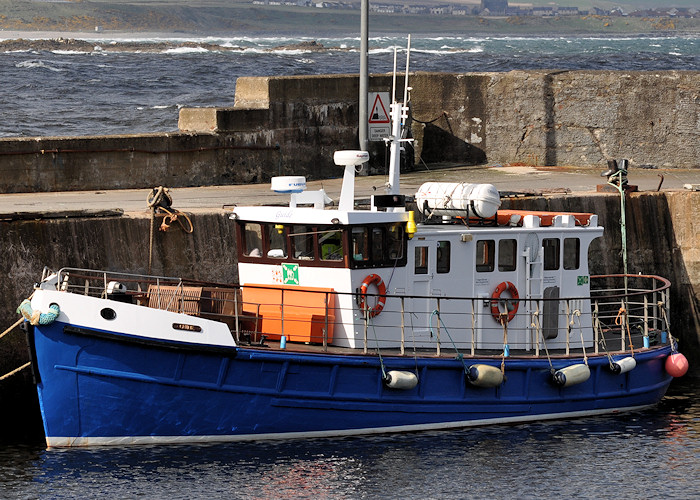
{"points": [[582, 280], [290, 274]]}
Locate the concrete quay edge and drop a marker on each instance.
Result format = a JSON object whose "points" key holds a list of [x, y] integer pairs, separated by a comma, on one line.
{"points": [[521, 180]]}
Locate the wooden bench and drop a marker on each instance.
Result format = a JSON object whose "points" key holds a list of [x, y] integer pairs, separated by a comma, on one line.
{"points": [[212, 302]]}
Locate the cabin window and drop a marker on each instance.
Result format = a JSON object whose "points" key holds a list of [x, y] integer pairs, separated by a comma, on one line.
{"points": [[253, 239], [278, 242], [302, 238], [484, 255], [572, 253], [507, 253], [421, 264], [378, 244], [551, 253], [360, 243], [330, 244], [443, 257], [395, 242]]}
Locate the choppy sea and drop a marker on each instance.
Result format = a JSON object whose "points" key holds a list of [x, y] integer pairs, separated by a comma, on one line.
{"points": [[64, 93]]}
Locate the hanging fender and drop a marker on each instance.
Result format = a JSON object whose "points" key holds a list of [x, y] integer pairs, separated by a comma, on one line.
{"points": [[381, 298], [511, 305]]}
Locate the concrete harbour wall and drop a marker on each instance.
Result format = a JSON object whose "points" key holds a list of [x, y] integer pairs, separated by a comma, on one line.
{"points": [[285, 125]]}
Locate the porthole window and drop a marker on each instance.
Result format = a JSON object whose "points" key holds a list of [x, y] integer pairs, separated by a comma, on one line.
{"points": [[108, 313]]}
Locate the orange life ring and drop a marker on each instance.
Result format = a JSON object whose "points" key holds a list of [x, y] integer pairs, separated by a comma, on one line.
{"points": [[381, 298], [496, 300]]}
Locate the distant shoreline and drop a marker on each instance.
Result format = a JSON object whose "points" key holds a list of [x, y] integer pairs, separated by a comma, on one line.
{"points": [[125, 41]]}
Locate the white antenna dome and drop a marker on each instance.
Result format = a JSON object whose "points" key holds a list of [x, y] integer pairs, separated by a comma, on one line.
{"points": [[288, 184], [347, 158]]}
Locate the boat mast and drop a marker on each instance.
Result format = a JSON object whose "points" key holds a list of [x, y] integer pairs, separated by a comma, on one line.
{"points": [[399, 113]]}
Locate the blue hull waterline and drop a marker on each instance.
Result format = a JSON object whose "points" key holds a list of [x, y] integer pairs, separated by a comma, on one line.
{"points": [[104, 388]]}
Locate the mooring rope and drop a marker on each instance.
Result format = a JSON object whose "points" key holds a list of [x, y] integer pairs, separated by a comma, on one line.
{"points": [[16, 370], [159, 199], [459, 356], [577, 313], [540, 332], [16, 324], [674, 346], [623, 317], [504, 322]]}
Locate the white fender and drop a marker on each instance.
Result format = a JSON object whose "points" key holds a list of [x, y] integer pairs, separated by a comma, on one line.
{"points": [[400, 380], [572, 375]]}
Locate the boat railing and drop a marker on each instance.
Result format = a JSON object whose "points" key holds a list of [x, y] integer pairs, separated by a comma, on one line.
{"points": [[620, 319]]}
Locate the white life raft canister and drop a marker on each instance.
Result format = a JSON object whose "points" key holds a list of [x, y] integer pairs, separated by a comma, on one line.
{"points": [[458, 199]]}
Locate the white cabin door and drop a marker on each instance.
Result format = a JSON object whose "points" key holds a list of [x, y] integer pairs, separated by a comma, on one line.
{"points": [[423, 305]]}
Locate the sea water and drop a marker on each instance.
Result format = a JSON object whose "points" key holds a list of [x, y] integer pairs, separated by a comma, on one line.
{"points": [[67, 93], [653, 453]]}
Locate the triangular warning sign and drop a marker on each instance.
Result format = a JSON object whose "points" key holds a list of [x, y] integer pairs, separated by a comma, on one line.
{"points": [[378, 114]]}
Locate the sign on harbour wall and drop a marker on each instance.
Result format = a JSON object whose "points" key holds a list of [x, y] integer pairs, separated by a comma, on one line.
{"points": [[378, 116]]}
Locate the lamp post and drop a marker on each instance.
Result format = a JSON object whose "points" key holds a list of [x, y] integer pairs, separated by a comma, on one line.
{"points": [[364, 74]]}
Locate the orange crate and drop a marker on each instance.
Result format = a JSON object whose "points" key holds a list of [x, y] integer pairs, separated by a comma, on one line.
{"points": [[304, 311]]}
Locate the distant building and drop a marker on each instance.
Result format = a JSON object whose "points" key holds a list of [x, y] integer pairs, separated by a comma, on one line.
{"points": [[495, 7]]}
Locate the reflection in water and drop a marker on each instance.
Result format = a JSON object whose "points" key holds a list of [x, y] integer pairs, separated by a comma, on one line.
{"points": [[642, 454]]}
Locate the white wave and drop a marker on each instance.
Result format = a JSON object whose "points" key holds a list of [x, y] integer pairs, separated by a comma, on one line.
{"points": [[161, 107], [69, 52], [36, 63], [186, 50], [288, 52]]}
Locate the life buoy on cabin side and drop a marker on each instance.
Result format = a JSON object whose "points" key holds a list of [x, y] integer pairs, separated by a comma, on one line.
{"points": [[381, 298], [511, 305]]}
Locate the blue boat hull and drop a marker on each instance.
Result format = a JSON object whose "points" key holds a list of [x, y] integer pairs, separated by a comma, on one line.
{"points": [[97, 387]]}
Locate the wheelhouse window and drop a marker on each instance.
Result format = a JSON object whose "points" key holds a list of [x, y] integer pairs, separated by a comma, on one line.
{"points": [[330, 244], [277, 241], [302, 239], [395, 242], [551, 253], [378, 244], [485, 255], [252, 232], [572, 253], [366, 246], [360, 244], [421, 260], [443, 257]]}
